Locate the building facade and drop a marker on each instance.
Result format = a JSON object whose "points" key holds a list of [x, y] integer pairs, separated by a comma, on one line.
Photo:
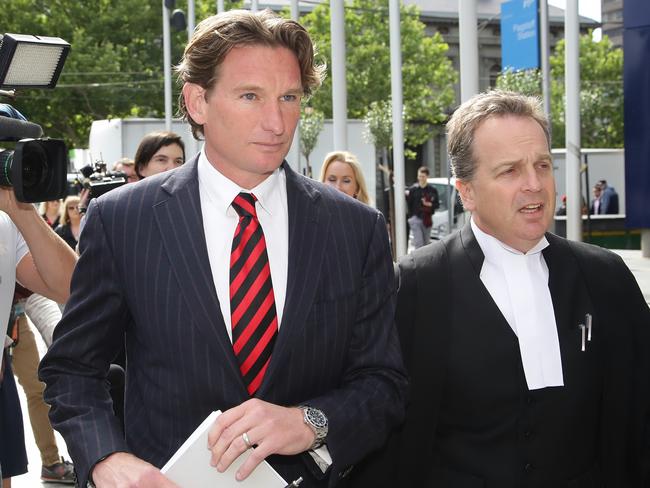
{"points": [[612, 14]]}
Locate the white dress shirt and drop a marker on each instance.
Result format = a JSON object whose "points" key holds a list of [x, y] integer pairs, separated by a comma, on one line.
{"points": [[220, 221], [518, 284]]}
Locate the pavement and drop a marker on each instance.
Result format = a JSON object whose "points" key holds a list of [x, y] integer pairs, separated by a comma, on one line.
{"points": [[639, 266]]}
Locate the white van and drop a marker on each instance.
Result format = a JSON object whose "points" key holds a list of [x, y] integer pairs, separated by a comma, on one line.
{"points": [[442, 220]]}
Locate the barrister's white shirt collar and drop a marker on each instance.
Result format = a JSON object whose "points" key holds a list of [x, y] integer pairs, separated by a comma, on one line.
{"points": [[518, 283]]}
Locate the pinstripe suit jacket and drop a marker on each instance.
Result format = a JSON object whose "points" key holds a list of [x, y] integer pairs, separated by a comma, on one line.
{"points": [[144, 275]]}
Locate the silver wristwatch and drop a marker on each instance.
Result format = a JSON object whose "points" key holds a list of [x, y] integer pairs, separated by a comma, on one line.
{"points": [[317, 421]]}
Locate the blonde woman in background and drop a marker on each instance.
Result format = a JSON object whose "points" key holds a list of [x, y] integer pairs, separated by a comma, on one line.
{"points": [[69, 228], [341, 169], [50, 212]]}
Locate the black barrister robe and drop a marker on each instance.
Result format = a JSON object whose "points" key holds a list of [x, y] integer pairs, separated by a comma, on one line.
{"points": [[472, 422]]}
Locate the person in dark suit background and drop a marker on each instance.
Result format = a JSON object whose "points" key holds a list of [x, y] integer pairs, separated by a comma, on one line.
{"points": [[527, 369], [608, 198], [422, 202], [596, 205], [320, 382]]}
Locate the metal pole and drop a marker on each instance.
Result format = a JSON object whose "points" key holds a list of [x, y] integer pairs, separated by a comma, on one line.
{"points": [[167, 68], [545, 54], [451, 204], [191, 19], [295, 11], [645, 243], [468, 40], [398, 126], [572, 116], [339, 84], [587, 191], [220, 6]]}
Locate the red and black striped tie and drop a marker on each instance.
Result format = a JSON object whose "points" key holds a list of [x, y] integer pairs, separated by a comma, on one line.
{"points": [[252, 303]]}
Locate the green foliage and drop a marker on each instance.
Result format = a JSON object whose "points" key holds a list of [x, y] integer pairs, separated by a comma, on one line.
{"points": [[601, 93], [527, 82], [427, 74], [379, 124], [311, 125], [115, 66]]}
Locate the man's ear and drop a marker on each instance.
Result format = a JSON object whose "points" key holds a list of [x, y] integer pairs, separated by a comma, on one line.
{"points": [[195, 102], [466, 192]]}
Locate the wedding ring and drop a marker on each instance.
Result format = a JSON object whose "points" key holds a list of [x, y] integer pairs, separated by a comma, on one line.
{"points": [[247, 441]]}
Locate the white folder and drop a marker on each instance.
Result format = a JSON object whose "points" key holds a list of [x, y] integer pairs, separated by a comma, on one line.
{"points": [[190, 466]]}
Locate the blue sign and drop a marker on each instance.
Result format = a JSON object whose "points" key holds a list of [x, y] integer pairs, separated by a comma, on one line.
{"points": [[519, 35]]}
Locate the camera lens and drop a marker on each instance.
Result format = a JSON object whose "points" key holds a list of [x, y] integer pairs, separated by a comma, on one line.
{"points": [[6, 158], [35, 167]]}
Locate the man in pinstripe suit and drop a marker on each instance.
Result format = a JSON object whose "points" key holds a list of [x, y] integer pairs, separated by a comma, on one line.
{"points": [[156, 266]]}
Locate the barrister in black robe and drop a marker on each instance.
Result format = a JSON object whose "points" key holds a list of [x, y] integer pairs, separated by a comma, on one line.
{"points": [[473, 420]]}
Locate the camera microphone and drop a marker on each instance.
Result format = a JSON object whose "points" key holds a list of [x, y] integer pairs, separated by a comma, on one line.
{"points": [[15, 129]]}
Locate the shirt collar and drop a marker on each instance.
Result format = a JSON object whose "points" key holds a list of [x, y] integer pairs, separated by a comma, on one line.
{"points": [[222, 191], [493, 248]]}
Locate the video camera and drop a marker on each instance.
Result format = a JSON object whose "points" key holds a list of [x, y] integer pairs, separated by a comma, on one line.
{"points": [[36, 167], [98, 180]]}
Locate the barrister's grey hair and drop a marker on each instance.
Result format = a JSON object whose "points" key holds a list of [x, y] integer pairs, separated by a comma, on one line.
{"points": [[468, 117]]}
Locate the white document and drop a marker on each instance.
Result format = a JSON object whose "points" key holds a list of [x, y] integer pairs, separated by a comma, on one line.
{"points": [[190, 466]]}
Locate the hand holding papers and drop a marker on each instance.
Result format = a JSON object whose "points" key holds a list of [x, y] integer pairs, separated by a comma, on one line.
{"points": [[190, 466]]}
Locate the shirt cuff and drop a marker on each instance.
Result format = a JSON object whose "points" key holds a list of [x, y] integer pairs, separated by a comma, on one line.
{"points": [[322, 457]]}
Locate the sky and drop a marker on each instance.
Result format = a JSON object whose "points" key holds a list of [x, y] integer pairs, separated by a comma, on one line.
{"points": [[588, 8]]}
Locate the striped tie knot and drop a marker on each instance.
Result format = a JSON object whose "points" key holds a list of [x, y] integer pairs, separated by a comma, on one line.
{"points": [[244, 205]]}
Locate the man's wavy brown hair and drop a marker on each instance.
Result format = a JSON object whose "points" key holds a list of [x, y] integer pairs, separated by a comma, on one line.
{"points": [[215, 36]]}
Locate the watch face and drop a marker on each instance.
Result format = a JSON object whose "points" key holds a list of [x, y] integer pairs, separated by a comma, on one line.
{"points": [[316, 417]]}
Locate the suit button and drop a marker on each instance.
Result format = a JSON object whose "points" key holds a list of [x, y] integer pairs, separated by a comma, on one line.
{"points": [[529, 399], [528, 467], [527, 434]]}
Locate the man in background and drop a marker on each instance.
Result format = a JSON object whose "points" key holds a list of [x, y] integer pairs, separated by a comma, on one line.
{"points": [[608, 198], [422, 201], [127, 166]]}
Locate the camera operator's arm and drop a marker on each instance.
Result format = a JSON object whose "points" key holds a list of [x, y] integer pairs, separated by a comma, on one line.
{"points": [[47, 268]]}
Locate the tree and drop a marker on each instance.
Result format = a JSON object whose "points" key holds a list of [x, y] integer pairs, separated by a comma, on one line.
{"points": [[379, 131], [428, 76], [601, 93], [527, 82], [311, 125]]}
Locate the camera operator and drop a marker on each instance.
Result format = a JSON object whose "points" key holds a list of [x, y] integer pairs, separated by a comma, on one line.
{"points": [[31, 253], [47, 267]]}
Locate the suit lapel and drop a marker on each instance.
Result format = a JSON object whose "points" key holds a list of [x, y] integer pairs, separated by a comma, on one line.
{"points": [[472, 248], [179, 218], [475, 256], [308, 225], [570, 297]]}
